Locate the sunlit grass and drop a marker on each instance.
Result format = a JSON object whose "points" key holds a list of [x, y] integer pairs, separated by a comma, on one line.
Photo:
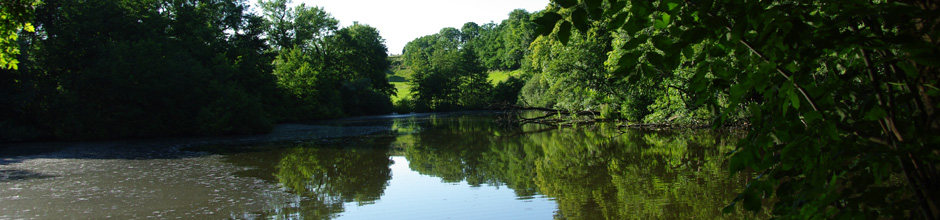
{"points": [[401, 78], [404, 91], [497, 76]]}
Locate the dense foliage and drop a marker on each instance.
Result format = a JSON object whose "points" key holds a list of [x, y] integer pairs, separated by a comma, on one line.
{"points": [[841, 97], [112, 69], [447, 74], [451, 67], [16, 17]]}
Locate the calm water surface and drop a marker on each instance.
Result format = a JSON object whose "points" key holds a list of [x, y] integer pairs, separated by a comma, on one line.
{"points": [[447, 166]]}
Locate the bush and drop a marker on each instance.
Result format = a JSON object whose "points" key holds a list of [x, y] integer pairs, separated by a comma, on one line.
{"points": [[535, 93], [404, 106], [232, 112], [507, 92]]}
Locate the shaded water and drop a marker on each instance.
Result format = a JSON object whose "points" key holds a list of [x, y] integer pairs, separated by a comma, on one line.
{"points": [[452, 166]]}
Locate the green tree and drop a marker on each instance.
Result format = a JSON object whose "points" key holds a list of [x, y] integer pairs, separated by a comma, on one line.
{"points": [[517, 32], [328, 72], [571, 76], [488, 45], [148, 68], [360, 56], [448, 73], [299, 26], [17, 17], [841, 97]]}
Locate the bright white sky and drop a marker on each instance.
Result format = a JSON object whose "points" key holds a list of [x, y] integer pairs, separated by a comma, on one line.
{"points": [[400, 21]]}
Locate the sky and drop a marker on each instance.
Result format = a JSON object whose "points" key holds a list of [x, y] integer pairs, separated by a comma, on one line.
{"points": [[400, 21]]}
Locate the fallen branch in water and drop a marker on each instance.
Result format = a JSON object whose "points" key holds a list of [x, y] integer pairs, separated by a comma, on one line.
{"points": [[565, 118], [553, 117], [557, 111]]}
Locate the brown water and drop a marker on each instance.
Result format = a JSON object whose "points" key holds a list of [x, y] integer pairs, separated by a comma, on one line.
{"points": [[446, 166]]}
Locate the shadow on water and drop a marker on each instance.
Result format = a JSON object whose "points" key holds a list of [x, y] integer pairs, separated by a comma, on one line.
{"points": [[178, 148], [17, 174], [324, 132]]}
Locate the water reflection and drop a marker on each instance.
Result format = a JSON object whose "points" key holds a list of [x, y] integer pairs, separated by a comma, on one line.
{"points": [[594, 172], [323, 177]]}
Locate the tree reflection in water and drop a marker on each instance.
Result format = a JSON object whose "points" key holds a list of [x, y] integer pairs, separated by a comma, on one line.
{"points": [[327, 177], [593, 172]]}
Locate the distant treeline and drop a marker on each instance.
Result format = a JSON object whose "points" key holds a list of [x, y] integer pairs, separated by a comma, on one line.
{"points": [[138, 68], [450, 70], [450, 67]]}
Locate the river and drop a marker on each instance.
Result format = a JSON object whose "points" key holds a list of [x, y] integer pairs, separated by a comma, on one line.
{"points": [[427, 166]]}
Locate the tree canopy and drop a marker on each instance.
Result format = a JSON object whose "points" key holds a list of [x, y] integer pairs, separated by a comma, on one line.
{"points": [[451, 67], [113, 69], [17, 17], [840, 97]]}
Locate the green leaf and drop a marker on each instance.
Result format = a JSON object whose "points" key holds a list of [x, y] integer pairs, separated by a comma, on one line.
{"points": [[648, 71], [688, 52], [625, 70], [876, 113], [566, 3], [728, 209], [908, 69], [739, 161], [635, 24], [616, 7], [738, 91], [927, 59], [698, 82], [790, 147], [593, 4], [669, 5], [628, 60], [564, 33], [633, 43], [579, 19], [693, 36], [547, 23], [672, 5], [832, 131], [654, 59], [673, 60], [663, 22], [618, 21], [658, 24], [639, 11], [752, 201], [663, 43], [737, 31], [794, 98], [809, 117]]}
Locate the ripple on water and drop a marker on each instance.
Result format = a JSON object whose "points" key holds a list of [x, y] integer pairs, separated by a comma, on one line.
{"points": [[87, 186]]}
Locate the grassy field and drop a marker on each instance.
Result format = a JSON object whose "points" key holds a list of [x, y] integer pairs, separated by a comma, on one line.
{"points": [[404, 90], [400, 76], [498, 76]]}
